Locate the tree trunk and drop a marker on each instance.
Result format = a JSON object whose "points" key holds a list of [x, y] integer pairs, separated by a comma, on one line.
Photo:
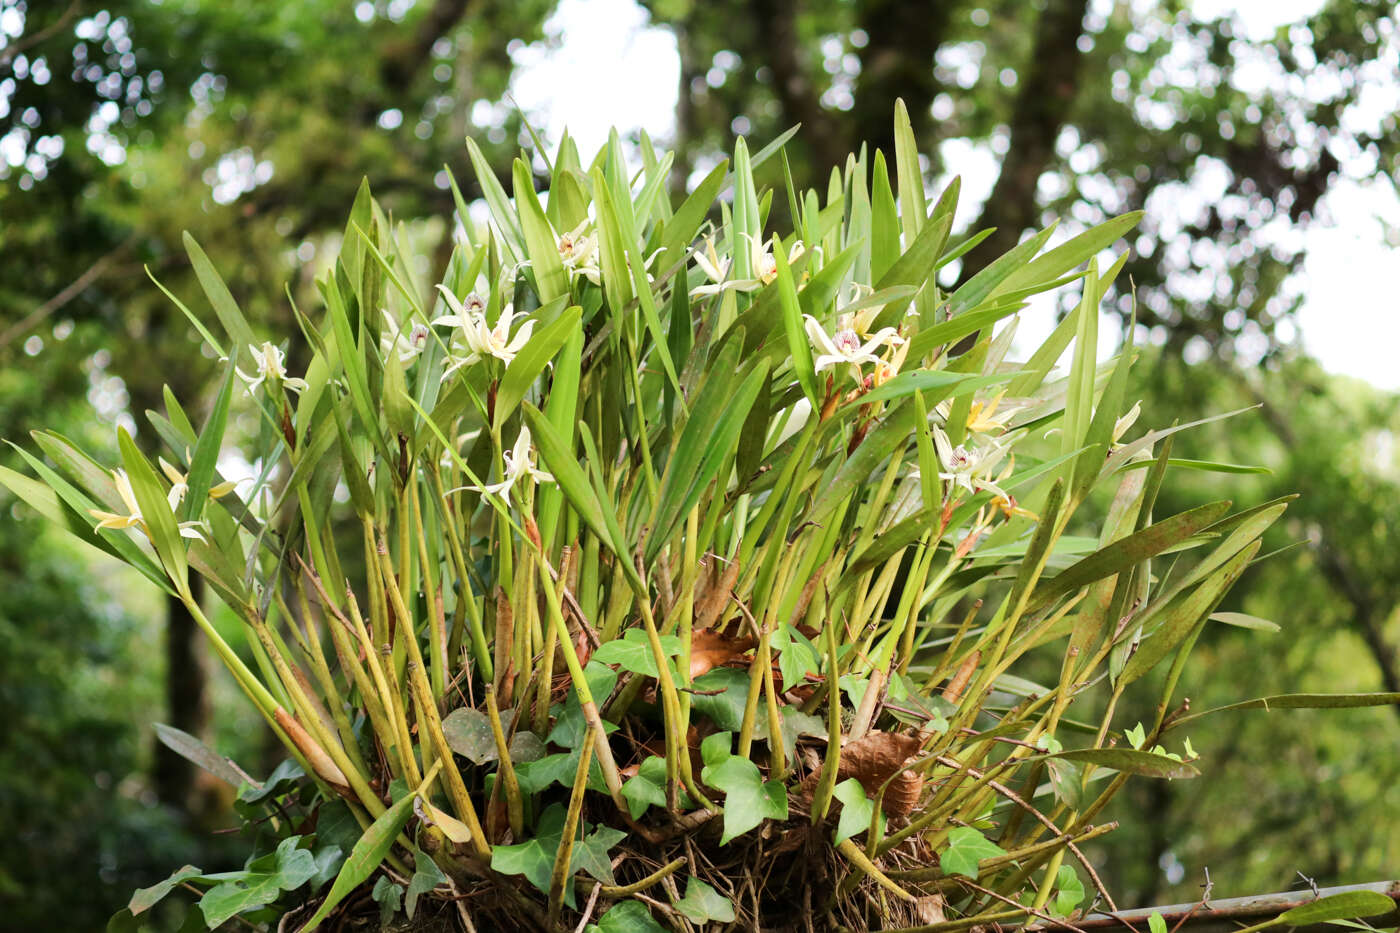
{"points": [[186, 699], [1048, 83]]}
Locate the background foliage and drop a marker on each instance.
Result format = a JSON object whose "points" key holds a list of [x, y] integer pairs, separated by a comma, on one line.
{"points": [[126, 122]]}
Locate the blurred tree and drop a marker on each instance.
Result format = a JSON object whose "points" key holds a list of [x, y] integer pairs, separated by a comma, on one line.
{"points": [[1091, 110], [247, 123], [1308, 791]]}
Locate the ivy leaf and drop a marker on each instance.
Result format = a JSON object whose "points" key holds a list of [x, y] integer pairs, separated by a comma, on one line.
{"points": [[591, 853], [535, 858], [389, 896], [647, 788], [714, 749], [1067, 781], [748, 798], [426, 876], [796, 655], [468, 733], [633, 652], [559, 768], [146, 898], [702, 903], [627, 917], [1069, 890], [291, 868], [794, 723], [856, 809], [569, 727], [1135, 736], [726, 708], [966, 848]]}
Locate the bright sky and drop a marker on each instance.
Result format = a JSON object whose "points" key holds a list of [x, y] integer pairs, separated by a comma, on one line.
{"points": [[588, 79]]}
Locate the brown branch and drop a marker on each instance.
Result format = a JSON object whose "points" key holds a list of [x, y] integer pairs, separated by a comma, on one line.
{"points": [[43, 35], [72, 290]]}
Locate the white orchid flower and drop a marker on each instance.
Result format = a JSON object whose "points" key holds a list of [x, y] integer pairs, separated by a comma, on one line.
{"points": [[761, 261], [578, 251], [133, 517], [480, 338], [272, 368], [407, 346], [846, 345], [970, 467], [519, 463]]}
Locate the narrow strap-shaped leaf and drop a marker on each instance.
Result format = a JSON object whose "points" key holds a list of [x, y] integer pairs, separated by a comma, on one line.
{"points": [[1126, 552], [531, 361], [370, 851], [205, 459], [1181, 618], [155, 510], [798, 345], [232, 319], [912, 204], [551, 281], [496, 200]]}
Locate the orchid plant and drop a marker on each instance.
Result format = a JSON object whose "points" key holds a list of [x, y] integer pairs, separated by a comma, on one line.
{"points": [[675, 568]]}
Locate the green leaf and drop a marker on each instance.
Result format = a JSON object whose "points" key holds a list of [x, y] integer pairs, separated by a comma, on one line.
{"points": [[388, 894], [1156, 923], [196, 752], [1131, 761], [1243, 620], [749, 800], [468, 733], [531, 361], [626, 917], [798, 345], [1069, 890], [293, 868], [703, 903], [205, 459], [647, 788], [551, 280], [1208, 466], [633, 652], [146, 898], [1305, 701], [1346, 905], [232, 319], [1181, 617], [160, 520], [966, 848], [501, 211], [726, 707], [1127, 552], [856, 810], [367, 855], [426, 876], [534, 858], [570, 726]]}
